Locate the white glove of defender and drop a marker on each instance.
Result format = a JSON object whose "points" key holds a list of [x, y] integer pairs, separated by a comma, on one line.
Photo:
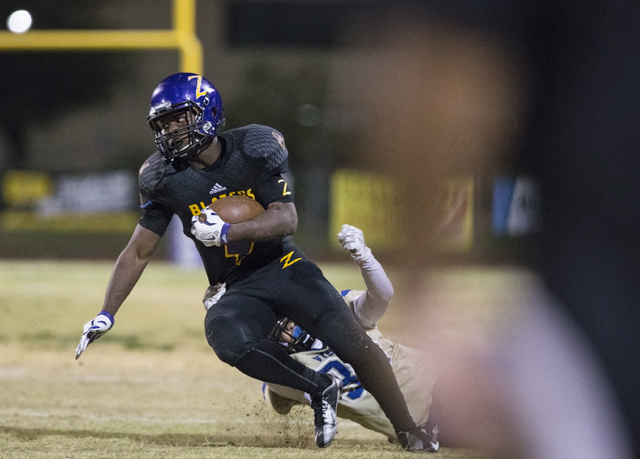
{"points": [[213, 232], [352, 239], [93, 330], [213, 294]]}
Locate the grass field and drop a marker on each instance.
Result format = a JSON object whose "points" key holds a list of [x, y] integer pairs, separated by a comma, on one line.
{"points": [[151, 387]]}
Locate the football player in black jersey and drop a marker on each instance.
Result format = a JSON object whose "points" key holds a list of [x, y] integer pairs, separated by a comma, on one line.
{"points": [[256, 270]]}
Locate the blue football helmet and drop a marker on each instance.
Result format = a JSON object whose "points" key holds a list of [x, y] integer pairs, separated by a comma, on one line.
{"points": [[299, 339], [195, 97]]}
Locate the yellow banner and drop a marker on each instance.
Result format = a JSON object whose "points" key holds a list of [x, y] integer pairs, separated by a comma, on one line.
{"points": [[367, 201], [25, 187], [370, 202], [454, 216]]}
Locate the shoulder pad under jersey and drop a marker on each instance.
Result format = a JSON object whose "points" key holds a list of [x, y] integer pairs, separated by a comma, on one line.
{"points": [[151, 173], [261, 142]]}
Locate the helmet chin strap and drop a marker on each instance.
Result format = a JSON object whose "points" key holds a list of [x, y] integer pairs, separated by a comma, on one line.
{"points": [[201, 145]]}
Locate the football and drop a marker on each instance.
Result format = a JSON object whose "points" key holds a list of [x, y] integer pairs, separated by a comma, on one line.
{"points": [[236, 208]]}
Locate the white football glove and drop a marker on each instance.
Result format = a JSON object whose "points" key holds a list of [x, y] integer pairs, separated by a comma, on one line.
{"points": [[213, 294], [93, 330], [352, 239], [213, 232]]}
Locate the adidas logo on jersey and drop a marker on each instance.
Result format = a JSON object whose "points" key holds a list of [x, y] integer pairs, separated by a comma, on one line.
{"points": [[217, 188]]}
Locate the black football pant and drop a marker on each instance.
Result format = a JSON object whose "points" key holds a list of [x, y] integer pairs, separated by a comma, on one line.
{"points": [[238, 326]]}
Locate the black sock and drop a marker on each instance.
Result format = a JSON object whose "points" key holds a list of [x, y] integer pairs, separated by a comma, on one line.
{"points": [[270, 363]]}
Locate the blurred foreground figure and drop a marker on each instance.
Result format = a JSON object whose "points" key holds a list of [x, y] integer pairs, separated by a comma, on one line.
{"points": [[567, 375]]}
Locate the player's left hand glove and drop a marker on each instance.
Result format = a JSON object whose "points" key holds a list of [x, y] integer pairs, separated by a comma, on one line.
{"points": [[93, 330], [211, 232], [352, 239]]}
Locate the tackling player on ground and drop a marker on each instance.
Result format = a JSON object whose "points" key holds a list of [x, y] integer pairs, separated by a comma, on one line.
{"points": [[259, 272], [415, 375]]}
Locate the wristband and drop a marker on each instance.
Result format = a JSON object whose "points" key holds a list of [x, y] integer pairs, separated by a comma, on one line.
{"points": [[109, 316], [224, 231]]}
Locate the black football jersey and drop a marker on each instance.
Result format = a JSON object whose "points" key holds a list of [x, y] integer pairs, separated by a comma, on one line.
{"points": [[251, 163]]}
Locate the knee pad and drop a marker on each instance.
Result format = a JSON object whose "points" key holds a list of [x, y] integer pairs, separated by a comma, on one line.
{"points": [[228, 340]]}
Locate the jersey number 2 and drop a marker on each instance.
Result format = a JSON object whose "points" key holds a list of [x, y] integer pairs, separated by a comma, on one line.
{"points": [[337, 368]]}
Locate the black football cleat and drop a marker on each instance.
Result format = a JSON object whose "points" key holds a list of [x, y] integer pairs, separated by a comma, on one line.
{"points": [[325, 407]]}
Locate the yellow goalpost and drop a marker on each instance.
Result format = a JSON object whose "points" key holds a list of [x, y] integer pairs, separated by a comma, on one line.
{"points": [[181, 37]]}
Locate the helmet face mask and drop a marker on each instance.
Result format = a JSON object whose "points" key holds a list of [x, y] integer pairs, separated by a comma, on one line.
{"points": [[291, 336], [190, 95], [178, 142]]}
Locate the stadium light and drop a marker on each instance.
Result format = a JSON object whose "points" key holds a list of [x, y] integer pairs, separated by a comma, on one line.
{"points": [[19, 21]]}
